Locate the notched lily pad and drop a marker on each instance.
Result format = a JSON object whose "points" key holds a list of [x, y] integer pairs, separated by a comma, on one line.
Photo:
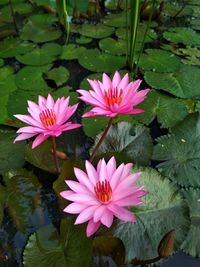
{"points": [[60, 75], [83, 40], [71, 51], [97, 31], [112, 46]]}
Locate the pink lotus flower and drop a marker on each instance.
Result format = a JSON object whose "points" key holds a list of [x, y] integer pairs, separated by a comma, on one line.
{"points": [[113, 97], [101, 194], [46, 119]]}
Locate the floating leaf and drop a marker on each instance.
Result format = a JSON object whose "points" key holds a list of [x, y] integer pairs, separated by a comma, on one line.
{"points": [[1, 62], [66, 91], [92, 125], [181, 159], [192, 243], [112, 46], [43, 18], [30, 78], [5, 72], [117, 20], [68, 247], [108, 246], [85, 84], [183, 35], [184, 83], [161, 106], [41, 55], [12, 47], [195, 24], [39, 33], [71, 51], [94, 60], [96, 31], [20, 8], [83, 40], [21, 189], [125, 146], [60, 75], [158, 60], [162, 211], [12, 155], [42, 156], [172, 10]]}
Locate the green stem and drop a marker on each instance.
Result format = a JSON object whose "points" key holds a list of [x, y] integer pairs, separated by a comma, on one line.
{"points": [[55, 155], [101, 140], [145, 34]]}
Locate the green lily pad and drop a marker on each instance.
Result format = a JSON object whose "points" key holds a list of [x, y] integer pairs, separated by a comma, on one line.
{"points": [[97, 31], [158, 60], [60, 75], [184, 83], [11, 47], [117, 20], [42, 157], [39, 33], [30, 78], [83, 40], [191, 243], [172, 10], [4, 19], [5, 72], [180, 153], [46, 2], [111, 247], [127, 143], [20, 8], [12, 155], [163, 210], [66, 91], [71, 51], [92, 125], [183, 35], [195, 24], [112, 46], [40, 55], [69, 246], [22, 187], [162, 106], [94, 60], [44, 18], [1, 62], [85, 84]]}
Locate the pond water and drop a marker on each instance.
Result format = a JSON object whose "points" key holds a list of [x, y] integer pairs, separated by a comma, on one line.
{"points": [[163, 142]]}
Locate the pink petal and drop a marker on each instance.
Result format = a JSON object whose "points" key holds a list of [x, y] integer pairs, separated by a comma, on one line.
{"points": [[83, 198], [39, 139], [128, 181], [116, 177], [111, 167], [97, 112], [129, 201], [99, 166], [98, 213], [71, 126], [50, 102], [77, 187], [106, 82], [42, 101], [103, 172], [95, 86], [75, 208], [126, 171], [122, 213], [116, 79], [66, 193], [125, 192], [92, 174], [34, 110], [83, 179], [92, 227], [85, 215], [28, 119], [133, 111], [107, 218], [124, 82], [27, 129], [23, 136]]}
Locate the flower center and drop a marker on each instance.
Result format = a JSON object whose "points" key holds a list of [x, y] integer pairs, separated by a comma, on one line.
{"points": [[113, 96], [48, 117], [103, 191]]}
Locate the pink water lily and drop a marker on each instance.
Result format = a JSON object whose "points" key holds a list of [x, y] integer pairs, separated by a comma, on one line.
{"points": [[101, 194], [114, 97], [48, 118]]}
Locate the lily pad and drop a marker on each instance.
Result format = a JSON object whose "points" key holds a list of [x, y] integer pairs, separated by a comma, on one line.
{"points": [[60, 75], [1, 62], [40, 55], [183, 35], [163, 210], [69, 246], [12, 47], [39, 33], [117, 20], [94, 60], [20, 8], [195, 24], [172, 10], [97, 31], [22, 188], [71, 51], [85, 84], [191, 243], [127, 143], [92, 125], [42, 156], [158, 60], [162, 106], [12, 155], [83, 40], [184, 83], [112, 46], [66, 91], [181, 159], [30, 78], [43, 18]]}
